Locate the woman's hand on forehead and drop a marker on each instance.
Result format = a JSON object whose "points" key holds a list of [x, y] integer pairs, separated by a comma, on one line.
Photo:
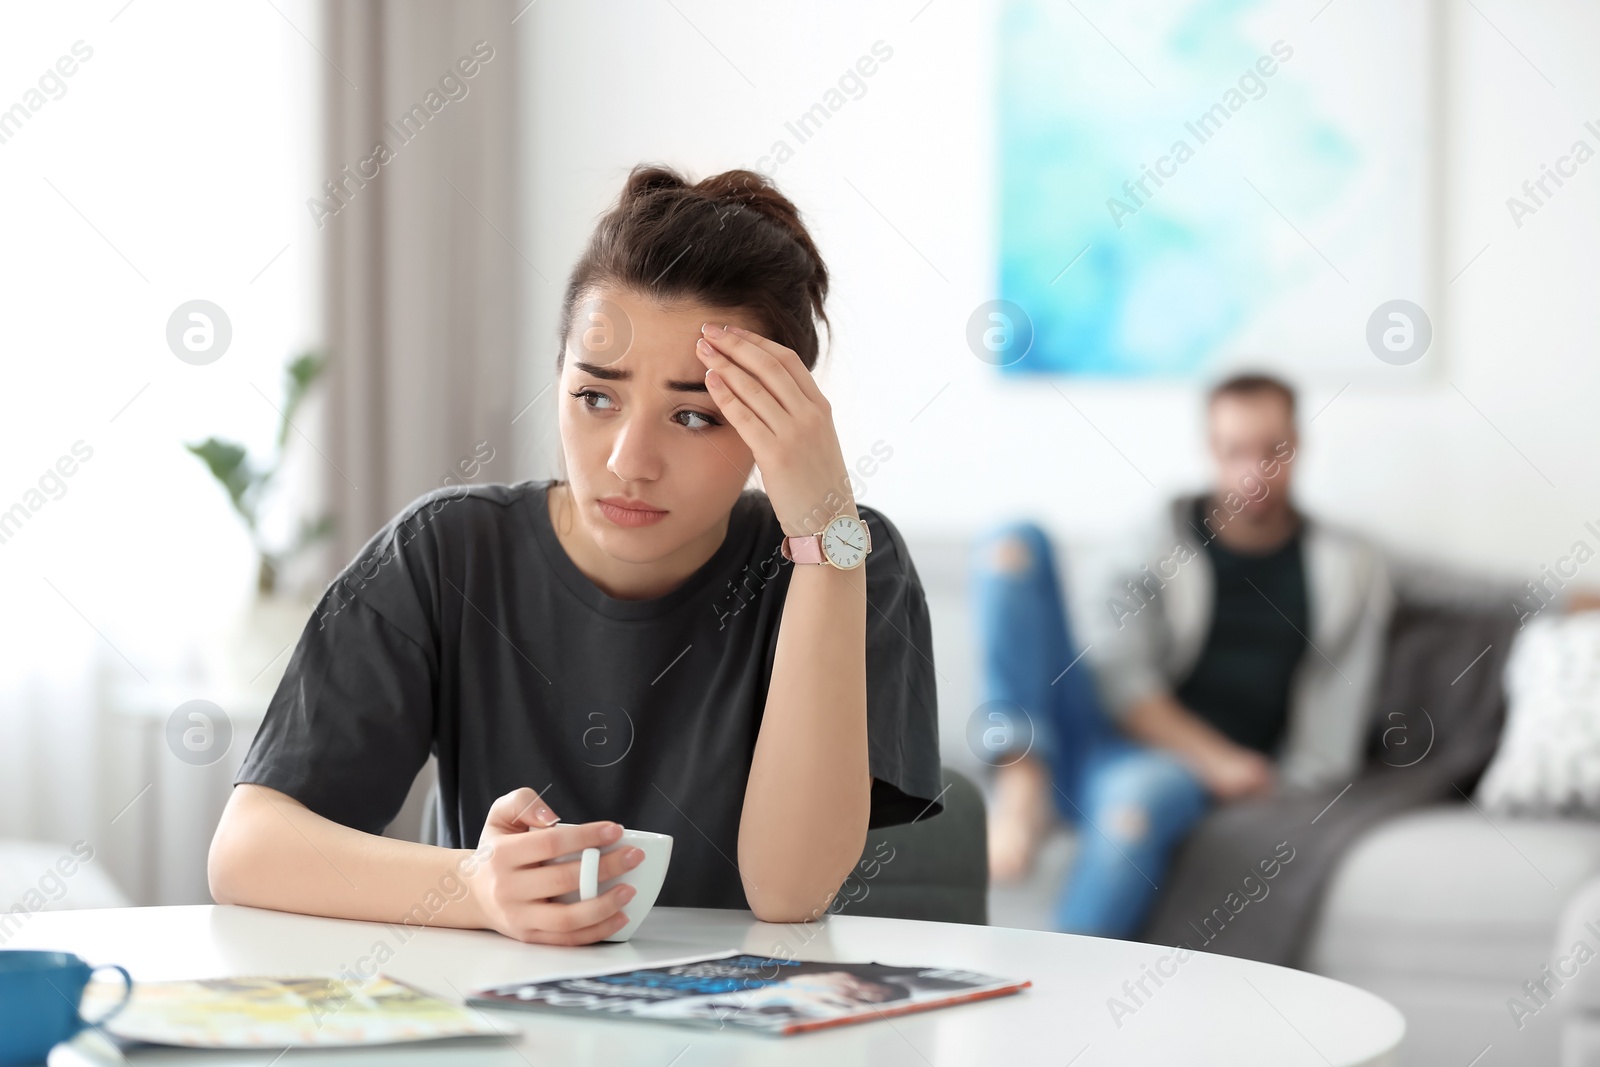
{"points": [[768, 396]]}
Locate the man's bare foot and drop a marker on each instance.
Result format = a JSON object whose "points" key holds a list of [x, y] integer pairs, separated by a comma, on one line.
{"points": [[1021, 814]]}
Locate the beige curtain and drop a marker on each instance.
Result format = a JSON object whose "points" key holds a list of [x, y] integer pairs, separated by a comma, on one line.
{"points": [[422, 276], [422, 273]]}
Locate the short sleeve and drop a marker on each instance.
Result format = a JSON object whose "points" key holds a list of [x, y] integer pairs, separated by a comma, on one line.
{"points": [[352, 721], [902, 697]]}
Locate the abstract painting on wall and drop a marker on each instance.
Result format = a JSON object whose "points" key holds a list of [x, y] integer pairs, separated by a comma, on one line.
{"points": [[1189, 184]]}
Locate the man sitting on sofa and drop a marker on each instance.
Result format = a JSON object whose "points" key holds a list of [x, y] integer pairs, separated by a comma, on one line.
{"points": [[1239, 653]]}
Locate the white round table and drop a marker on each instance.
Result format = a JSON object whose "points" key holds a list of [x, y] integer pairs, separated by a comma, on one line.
{"points": [[1205, 1010]]}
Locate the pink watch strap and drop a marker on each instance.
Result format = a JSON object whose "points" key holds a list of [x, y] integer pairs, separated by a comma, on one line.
{"points": [[804, 549]]}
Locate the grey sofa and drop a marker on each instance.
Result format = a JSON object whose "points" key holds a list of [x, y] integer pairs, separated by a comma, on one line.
{"points": [[1438, 909], [1447, 915], [1575, 991]]}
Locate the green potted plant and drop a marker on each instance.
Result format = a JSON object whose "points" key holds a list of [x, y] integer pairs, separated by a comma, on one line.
{"points": [[246, 481]]}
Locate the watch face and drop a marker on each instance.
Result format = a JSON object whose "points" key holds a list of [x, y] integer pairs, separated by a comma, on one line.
{"points": [[845, 542]]}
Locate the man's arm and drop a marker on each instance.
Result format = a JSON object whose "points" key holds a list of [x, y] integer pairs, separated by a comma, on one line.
{"points": [[1224, 767]]}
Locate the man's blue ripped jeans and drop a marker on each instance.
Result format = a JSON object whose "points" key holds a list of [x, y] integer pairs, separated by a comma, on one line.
{"points": [[1131, 804]]}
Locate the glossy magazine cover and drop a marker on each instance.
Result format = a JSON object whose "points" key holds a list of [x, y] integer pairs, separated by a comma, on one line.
{"points": [[747, 992]]}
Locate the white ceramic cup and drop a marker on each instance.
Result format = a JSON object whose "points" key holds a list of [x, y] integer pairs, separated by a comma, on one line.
{"points": [[646, 878]]}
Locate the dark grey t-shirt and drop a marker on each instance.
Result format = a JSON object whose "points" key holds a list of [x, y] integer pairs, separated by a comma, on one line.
{"points": [[465, 630]]}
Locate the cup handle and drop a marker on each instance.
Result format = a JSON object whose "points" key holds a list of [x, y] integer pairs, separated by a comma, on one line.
{"points": [[589, 874], [127, 993]]}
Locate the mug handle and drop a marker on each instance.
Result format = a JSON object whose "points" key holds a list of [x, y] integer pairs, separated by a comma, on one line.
{"points": [[589, 874], [127, 993]]}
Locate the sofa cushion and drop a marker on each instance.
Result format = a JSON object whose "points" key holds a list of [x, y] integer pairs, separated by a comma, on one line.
{"points": [[1451, 1023], [1580, 925], [1443, 891], [1548, 762]]}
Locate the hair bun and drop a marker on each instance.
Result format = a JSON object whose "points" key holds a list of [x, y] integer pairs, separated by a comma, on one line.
{"points": [[645, 180], [730, 240], [749, 189]]}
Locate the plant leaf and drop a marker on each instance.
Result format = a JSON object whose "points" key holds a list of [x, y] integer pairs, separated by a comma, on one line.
{"points": [[230, 465], [302, 373]]}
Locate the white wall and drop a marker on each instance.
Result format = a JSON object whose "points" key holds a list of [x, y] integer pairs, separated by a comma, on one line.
{"points": [[174, 164], [898, 188]]}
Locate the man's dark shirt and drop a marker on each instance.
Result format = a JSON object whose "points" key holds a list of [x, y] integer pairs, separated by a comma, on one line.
{"points": [[1260, 615]]}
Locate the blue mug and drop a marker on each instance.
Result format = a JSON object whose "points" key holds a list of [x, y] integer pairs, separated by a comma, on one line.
{"points": [[39, 997]]}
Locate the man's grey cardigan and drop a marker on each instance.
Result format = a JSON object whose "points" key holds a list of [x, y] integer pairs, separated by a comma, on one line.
{"points": [[1145, 632]]}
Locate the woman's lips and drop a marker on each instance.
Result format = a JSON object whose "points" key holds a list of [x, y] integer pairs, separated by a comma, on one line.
{"points": [[630, 515]]}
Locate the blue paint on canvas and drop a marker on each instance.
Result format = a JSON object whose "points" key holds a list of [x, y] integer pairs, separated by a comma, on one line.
{"points": [[1152, 288]]}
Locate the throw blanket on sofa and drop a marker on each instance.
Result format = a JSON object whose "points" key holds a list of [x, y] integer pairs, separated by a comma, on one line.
{"points": [[1248, 880]]}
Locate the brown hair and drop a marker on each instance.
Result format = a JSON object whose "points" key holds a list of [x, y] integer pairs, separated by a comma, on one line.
{"points": [[1252, 385], [730, 241]]}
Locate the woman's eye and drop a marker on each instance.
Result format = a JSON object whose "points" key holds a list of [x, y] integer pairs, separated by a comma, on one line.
{"points": [[597, 401], [590, 398], [694, 420]]}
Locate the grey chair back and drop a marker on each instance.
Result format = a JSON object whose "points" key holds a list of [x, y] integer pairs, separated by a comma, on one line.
{"points": [[428, 834], [935, 868]]}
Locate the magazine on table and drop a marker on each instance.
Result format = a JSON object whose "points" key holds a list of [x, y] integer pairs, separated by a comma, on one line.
{"points": [[276, 1012], [749, 992]]}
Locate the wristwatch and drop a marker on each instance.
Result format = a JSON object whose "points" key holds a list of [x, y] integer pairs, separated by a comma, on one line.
{"points": [[843, 543]]}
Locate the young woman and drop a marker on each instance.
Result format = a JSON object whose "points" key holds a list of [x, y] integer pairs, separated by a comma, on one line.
{"points": [[644, 643]]}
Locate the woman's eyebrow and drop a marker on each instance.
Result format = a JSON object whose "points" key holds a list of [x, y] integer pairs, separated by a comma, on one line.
{"points": [[612, 374]]}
